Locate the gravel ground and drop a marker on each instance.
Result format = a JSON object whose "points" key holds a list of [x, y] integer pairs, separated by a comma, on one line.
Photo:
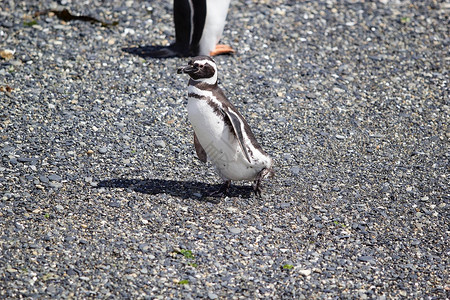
{"points": [[101, 196]]}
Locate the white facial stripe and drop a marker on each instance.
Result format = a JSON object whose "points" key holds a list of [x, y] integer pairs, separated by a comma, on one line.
{"points": [[205, 61]]}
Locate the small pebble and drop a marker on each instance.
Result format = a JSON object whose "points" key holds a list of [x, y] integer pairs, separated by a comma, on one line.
{"points": [[160, 143], [365, 258], [305, 272], [102, 150], [234, 230], [55, 177], [295, 170]]}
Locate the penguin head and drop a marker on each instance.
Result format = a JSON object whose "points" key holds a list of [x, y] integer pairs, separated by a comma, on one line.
{"points": [[201, 68]]}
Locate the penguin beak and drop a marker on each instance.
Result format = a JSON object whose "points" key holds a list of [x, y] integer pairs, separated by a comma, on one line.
{"points": [[187, 70]]}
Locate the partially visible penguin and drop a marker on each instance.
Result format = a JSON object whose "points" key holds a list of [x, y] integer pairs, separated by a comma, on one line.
{"points": [[198, 28]]}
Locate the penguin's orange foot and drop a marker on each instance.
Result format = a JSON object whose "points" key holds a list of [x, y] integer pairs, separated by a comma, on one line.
{"points": [[222, 49]]}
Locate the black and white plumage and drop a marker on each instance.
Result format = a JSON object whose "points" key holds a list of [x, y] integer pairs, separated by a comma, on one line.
{"points": [[221, 134], [198, 28]]}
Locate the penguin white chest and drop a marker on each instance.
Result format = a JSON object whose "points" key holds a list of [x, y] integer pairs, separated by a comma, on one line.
{"points": [[207, 124]]}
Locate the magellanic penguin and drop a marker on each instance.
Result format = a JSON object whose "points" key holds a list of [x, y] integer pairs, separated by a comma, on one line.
{"points": [[198, 28], [221, 134]]}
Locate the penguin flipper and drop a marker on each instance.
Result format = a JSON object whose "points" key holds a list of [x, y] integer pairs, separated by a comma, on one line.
{"points": [[222, 49], [201, 153], [238, 128]]}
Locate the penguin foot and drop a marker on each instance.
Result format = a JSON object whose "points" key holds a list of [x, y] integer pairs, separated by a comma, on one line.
{"points": [[222, 49], [223, 191], [262, 174], [257, 188]]}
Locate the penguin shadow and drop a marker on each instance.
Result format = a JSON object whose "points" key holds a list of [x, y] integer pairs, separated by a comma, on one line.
{"points": [[151, 51], [192, 190]]}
